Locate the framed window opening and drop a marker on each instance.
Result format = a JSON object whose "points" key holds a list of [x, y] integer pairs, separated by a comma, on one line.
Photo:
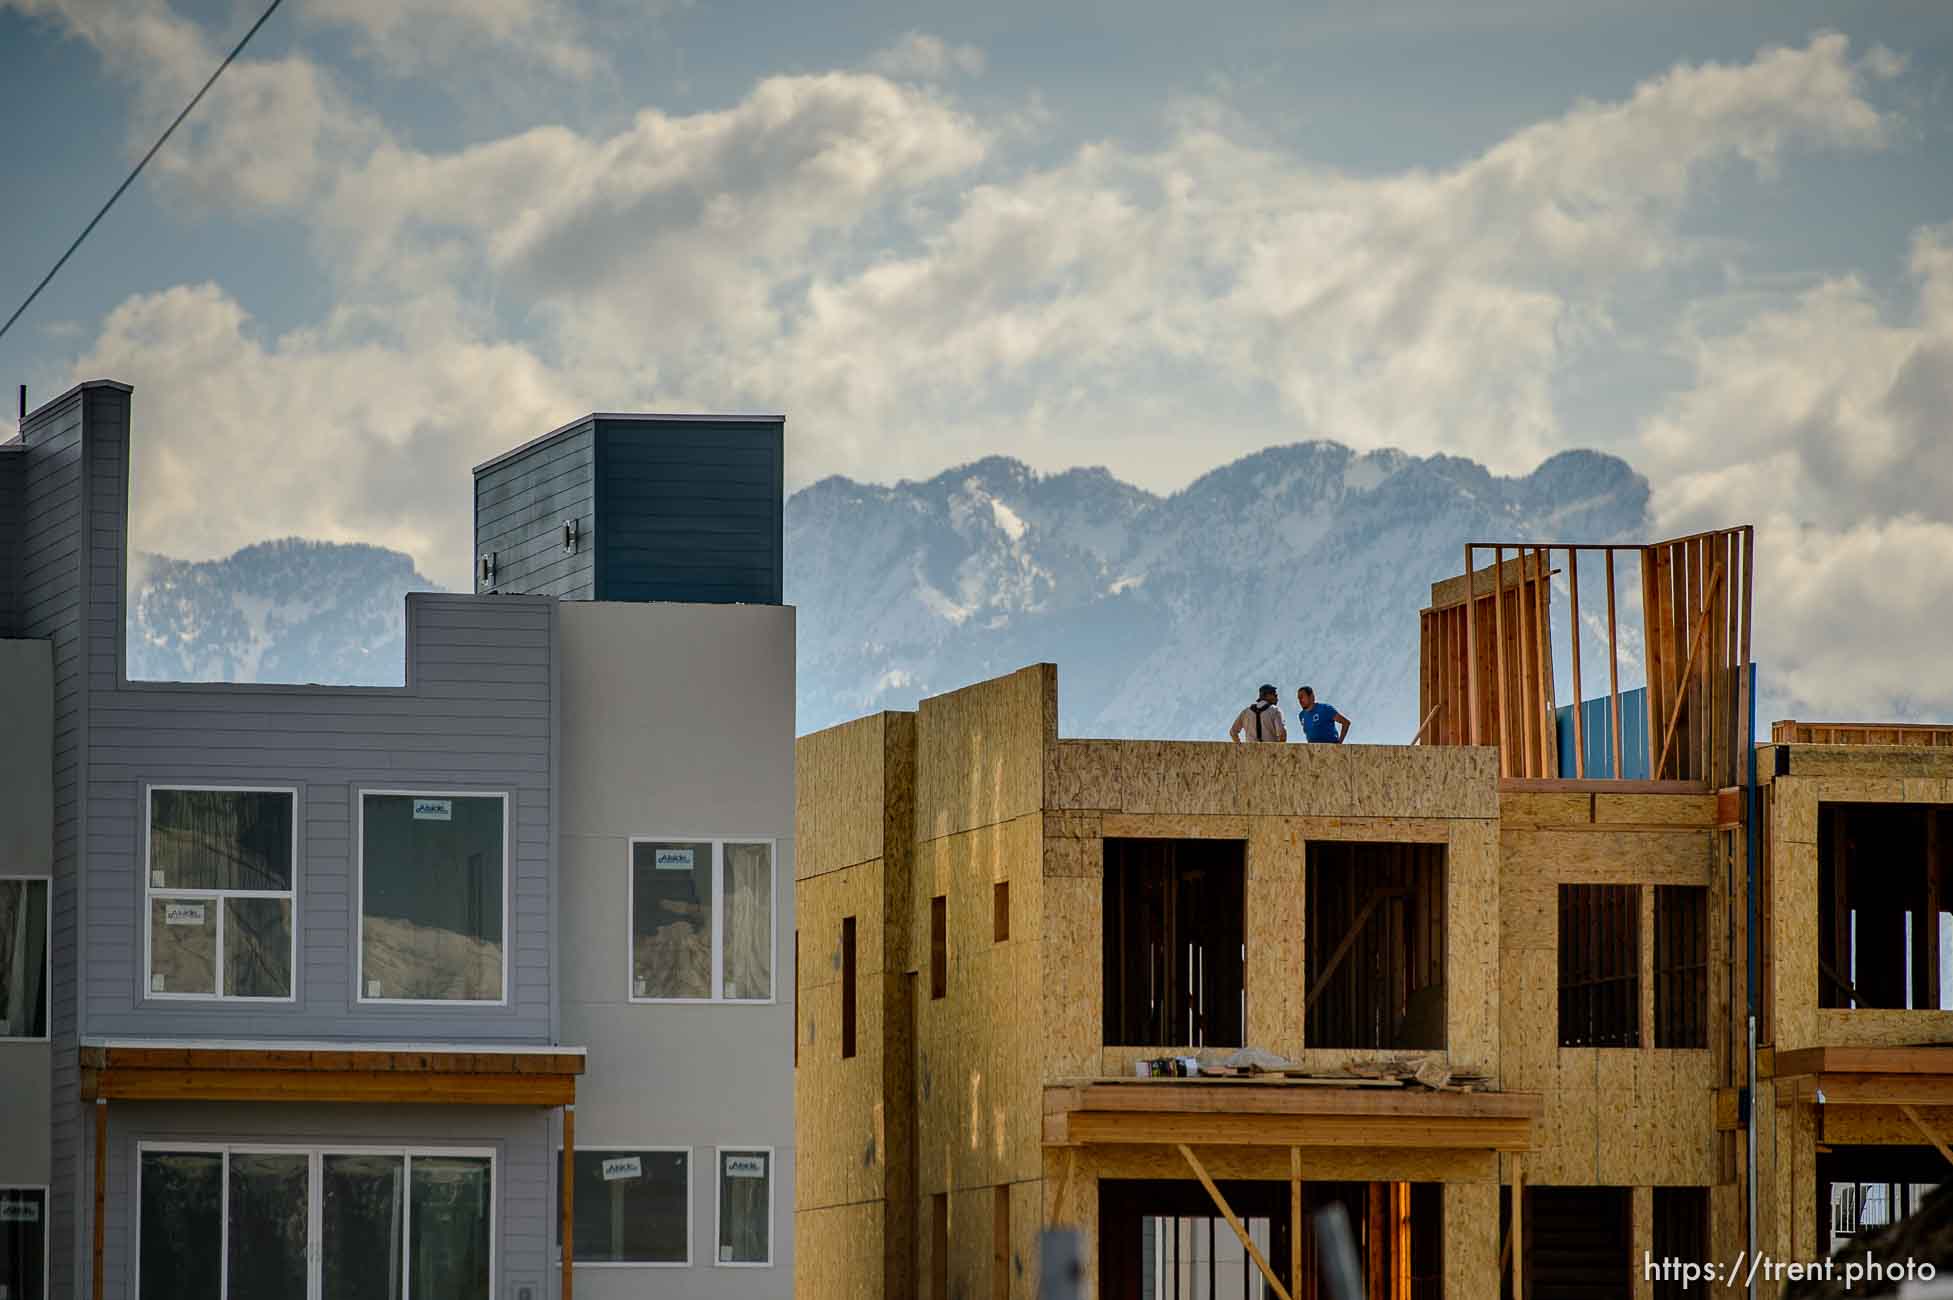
{"points": [[24, 1241], [235, 1220], [220, 920], [704, 919], [26, 921], [464, 949], [742, 1232], [614, 1168]]}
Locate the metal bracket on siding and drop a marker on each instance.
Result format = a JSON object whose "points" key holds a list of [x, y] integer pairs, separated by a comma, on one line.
{"points": [[488, 568], [569, 537]]}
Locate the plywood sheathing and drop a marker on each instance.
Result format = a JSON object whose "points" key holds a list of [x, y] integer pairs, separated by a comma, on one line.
{"points": [[1192, 778], [1071, 968], [1728, 1233], [1472, 873], [1641, 1239], [837, 1252], [838, 805], [980, 752], [1567, 856], [1869, 760], [1471, 1240]]}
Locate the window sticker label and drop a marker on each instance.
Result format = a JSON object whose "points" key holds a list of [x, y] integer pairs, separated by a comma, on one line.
{"points": [[672, 859], [183, 913], [725, 1254], [433, 810], [156, 879], [20, 1212], [618, 1168], [372, 988], [156, 984], [745, 1166]]}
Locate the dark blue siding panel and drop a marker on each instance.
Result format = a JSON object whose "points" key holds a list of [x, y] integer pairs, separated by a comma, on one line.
{"points": [[521, 503], [690, 510]]}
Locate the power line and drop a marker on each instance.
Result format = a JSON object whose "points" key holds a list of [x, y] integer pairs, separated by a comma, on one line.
{"points": [[160, 140]]}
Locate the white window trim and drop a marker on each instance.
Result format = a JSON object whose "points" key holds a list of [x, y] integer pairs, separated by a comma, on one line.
{"points": [[315, 1198], [718, 843], [719, 1197], [47, 1238], [150, 893], [691, 1182], [359, 896], [47, 984]]}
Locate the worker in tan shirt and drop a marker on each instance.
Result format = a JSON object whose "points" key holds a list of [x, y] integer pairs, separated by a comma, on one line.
{"points": [[1261, 720]]}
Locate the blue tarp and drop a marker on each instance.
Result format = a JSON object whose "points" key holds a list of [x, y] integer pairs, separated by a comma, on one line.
{"points": [[1597, 731], [1599, 735]]}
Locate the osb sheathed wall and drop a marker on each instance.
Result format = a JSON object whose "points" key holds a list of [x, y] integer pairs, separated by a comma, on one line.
{"points": [[1636, 1117], [853, 1118], [1790, 1127], [1835, 774], [1276, 799], [978, 822]]}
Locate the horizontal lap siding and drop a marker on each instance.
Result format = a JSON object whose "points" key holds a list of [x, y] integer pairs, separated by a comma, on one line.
{"points": [[520, 507], [690, 512], [329, 744], [13, 469], [49, 591], [519, 1137]]}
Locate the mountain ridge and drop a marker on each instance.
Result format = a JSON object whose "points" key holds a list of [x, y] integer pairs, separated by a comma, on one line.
{"points": [[1302, 560]]}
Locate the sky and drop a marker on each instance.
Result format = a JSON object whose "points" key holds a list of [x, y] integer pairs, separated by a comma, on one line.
{"points": [[404, 235]]}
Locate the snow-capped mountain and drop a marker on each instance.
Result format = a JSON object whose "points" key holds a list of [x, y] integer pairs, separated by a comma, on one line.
{"points": [[1303, 563], [284, 611]]}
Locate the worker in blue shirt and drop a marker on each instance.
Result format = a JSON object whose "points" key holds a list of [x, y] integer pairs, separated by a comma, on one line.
{"points": [[1320, 723]]}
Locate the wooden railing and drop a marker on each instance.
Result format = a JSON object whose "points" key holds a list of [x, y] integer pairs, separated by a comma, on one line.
{"points": [[1488, 676], [1908, 735]]}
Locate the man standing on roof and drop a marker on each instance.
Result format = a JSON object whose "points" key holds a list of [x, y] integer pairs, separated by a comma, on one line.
{"points": [[1261, 720], [1320, 723]]}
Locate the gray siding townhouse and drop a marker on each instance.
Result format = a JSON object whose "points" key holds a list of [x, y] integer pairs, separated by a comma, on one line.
{"points": [[300, 987]]}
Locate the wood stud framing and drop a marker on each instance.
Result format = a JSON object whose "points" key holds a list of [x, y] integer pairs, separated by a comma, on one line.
{"points": [[1498, 689]]}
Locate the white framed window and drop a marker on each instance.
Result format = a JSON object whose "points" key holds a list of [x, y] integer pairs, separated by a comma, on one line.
{"points": [[743, 1235], [220, 892], [703, 920], [433, 884], [632, 1209], [241, 1221], [23, 1242], [26, 916]]}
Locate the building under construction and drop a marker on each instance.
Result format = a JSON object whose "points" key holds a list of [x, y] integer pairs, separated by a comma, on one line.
{"points": [[1491, 992]]}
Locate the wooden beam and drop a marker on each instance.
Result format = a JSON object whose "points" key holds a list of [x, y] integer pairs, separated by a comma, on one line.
{"points": [[1426, 724], [1920, 1123], [569, 1200], [1249, 1097], [1530, 785], [1400, 1237], [1247, 1242], [1613, 668], [1573, 635], [1528, 667], [1682, 682], [1931, 1061], [293, 1085], [1295, 1219], [1096, 1128], [95, 1277], [1471, 650], [1376, 1241], [1348, 942], [1549, 759], [1518, 1229], [1498, 647]]}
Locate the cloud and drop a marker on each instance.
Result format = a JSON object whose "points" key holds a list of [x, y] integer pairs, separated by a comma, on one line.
{"points": [[408, 36], [318, 433], [918, 56], [868, 256], [1824, 422], [270, 135]]}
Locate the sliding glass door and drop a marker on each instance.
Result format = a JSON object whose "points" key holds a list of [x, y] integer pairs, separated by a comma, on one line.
{"points": [[255, 1223]]}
